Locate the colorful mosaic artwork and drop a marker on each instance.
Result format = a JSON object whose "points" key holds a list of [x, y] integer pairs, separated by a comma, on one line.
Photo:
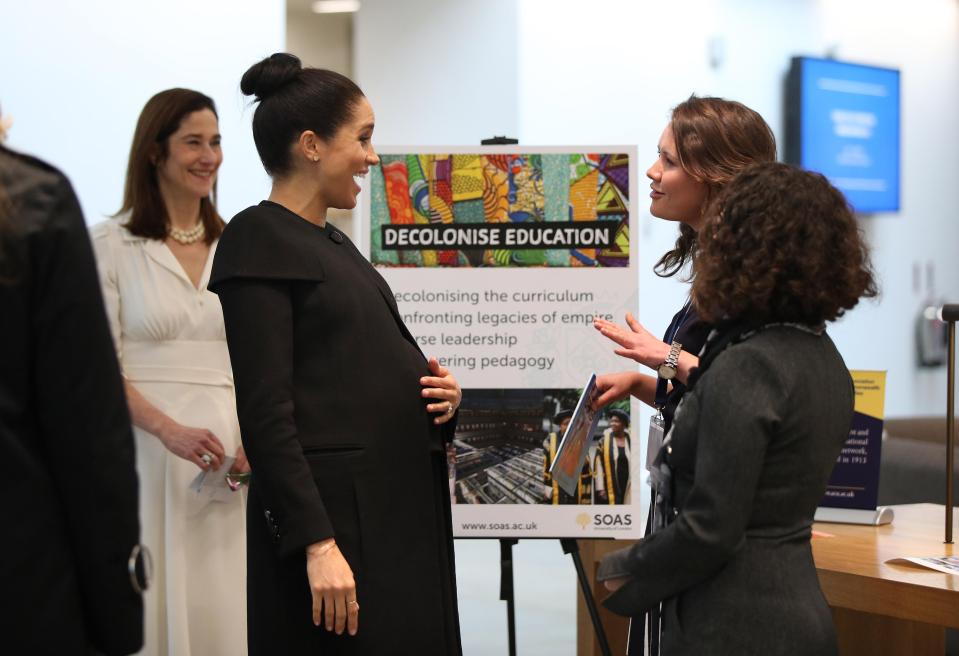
{"points": [[501, 202]]}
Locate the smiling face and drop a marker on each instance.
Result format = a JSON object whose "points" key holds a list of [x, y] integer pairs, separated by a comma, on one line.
{"points": [[347, 157], [676, 195], [193, 157]]}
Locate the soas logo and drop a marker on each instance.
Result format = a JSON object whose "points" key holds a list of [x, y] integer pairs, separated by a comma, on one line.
{"points": [[583, 520]]}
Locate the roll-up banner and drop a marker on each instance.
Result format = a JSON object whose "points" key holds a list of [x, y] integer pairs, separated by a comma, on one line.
{"points": [[854, 483], [499, 258]]}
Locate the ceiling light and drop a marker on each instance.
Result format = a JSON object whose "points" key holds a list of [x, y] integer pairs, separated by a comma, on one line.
{"points": [[335, 6]]}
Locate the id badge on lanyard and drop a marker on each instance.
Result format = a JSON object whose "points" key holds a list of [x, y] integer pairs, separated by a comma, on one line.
{"points": [[657, 431]]}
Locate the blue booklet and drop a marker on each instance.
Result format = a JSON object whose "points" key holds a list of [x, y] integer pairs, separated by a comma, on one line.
{"points": [[577, 439]]}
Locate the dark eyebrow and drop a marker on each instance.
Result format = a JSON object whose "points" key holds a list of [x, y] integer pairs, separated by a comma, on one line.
{"points": [[200, 136], [368, 126]]}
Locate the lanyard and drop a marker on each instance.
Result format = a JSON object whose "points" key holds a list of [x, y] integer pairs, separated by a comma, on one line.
{"points": [[671, 332]]}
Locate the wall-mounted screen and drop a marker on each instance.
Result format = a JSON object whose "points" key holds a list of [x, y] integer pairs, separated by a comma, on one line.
{"points": [[842, 120]]}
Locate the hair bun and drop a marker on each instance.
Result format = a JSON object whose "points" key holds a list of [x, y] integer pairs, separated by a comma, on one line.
{"points": [[265, 77]]}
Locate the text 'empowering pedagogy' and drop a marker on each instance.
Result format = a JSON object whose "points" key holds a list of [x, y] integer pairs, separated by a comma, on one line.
{"points": [[532, 235]]}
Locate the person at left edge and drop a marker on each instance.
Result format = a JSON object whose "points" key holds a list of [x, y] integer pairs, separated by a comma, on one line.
{"points": [[154, 259], [67, 479], [342, 416]]}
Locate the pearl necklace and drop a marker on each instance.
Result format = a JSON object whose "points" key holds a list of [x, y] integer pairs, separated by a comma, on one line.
{"points": [[186, 237]]}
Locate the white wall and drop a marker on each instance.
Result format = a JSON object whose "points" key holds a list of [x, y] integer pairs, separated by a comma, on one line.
{"points": [[75, 76], [321, 40], [611, 74], [438, 72]]}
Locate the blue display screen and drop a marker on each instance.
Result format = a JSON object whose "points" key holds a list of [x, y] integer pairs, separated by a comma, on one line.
{"points": [[850, 130]]}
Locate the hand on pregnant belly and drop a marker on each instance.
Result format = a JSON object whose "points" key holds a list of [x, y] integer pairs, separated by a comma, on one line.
{"points": [[442, 387], [198, 445]]}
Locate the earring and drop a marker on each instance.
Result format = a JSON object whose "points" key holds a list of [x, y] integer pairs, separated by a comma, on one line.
{"points": [[316, 158]]}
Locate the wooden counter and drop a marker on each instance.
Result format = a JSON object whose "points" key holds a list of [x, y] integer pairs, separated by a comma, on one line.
{"points": [[879, 608], [888, 608]]}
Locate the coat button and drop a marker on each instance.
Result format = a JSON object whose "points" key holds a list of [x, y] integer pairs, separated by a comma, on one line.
{"points": [[336, 236]]}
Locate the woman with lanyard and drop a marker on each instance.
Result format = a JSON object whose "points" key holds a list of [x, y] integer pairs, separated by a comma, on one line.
{"points": [[757, 434], [705, 144]]}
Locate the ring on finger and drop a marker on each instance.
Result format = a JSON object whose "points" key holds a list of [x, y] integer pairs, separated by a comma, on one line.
{"points": [[450, 409], [207, 459]]}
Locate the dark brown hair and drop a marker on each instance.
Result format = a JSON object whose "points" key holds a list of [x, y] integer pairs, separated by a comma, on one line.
{"points": [[780, 245], [715, 139], [293, 100], [161, 117]]}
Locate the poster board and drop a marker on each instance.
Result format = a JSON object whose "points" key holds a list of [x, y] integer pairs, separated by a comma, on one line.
{"points": [[499, 258]]}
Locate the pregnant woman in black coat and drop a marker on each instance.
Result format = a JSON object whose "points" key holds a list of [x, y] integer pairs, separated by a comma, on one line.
{"points": [[343, 419], [758, 431]]}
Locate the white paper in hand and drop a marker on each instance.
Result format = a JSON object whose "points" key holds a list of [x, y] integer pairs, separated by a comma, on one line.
{"points": [[212, 485]]}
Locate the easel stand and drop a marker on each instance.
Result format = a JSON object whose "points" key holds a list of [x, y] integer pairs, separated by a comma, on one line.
{"points": [[571, 547], [506, 588]]}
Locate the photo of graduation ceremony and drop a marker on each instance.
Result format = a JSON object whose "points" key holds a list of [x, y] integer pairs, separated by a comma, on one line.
{"points": [[506, 441], [479, 328]]}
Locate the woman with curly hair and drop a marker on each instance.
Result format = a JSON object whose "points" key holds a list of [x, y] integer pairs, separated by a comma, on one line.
{"points": [[757, 433], [705, 144]]}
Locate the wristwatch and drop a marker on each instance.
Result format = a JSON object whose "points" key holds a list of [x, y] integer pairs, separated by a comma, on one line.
{"points": [[667, 370]]}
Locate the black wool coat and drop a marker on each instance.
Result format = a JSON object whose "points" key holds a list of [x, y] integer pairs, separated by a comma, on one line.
{"points": [[68, 486], [339, 440]]}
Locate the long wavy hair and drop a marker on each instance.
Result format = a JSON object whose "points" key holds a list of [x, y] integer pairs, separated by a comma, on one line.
{"points": [[160, 118], [715, 140]]}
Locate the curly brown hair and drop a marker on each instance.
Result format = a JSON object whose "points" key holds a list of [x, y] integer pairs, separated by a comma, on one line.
{"points": [[780, 245], [715, 139]]}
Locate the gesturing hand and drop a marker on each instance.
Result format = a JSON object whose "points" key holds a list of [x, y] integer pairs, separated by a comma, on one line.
{"points": [[636, 342], [192, 444], [333, 588], [443, 387]]}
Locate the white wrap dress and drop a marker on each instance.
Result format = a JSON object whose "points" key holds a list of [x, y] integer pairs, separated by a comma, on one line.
{"points": [[172, 347]]}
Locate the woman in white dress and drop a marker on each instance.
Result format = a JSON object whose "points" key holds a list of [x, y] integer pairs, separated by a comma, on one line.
{"points": [[154, 259]]}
